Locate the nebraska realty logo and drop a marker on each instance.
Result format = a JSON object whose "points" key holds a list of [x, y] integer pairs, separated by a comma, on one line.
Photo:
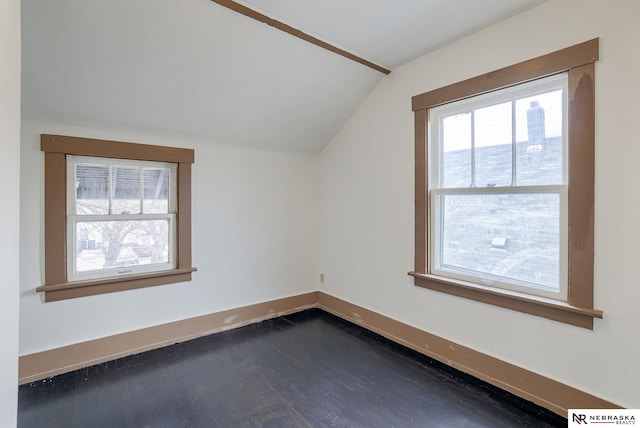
{"points": [[599, 417]]}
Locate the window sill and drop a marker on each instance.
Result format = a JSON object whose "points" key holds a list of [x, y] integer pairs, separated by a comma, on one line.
{"points": [[540, 306], [70, 290]]}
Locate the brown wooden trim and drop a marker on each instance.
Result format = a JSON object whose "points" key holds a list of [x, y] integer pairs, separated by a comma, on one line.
{"points": [[531, 386], [582, 179], [578, 62], [541, 390], [183, 232], [113, 149], [421, 199], [248, 12], [553, 63], [49, 363], [56, 147], [68, 291], [112, 279], [540, 306], [55, 229]]}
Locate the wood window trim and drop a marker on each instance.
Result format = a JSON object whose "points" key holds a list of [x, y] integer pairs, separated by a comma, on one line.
{"points": [[56, 148], [579, 63]]}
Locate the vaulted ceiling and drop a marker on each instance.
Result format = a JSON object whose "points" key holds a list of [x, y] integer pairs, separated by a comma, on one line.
{"points": [[195, 68]]}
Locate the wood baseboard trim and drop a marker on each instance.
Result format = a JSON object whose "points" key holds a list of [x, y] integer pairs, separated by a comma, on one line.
{"points": [[42, 365], [531, 386]]}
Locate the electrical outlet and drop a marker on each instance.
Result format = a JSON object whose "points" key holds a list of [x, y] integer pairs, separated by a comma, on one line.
{"points": [[321, 278]]}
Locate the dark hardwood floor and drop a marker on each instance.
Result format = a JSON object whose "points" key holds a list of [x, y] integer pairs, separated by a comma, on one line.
{"points": [[309, 369]]}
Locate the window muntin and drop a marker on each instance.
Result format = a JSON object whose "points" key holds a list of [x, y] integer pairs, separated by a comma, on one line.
{"points": [[120, 217], [498, 193]]}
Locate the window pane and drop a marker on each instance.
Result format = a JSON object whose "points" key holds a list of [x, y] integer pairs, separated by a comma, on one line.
{"points": [[92, 189], [539, 125], [492, 138], [125, 188], [156, 190], [456, 151], [505, 237], [110, 244]]}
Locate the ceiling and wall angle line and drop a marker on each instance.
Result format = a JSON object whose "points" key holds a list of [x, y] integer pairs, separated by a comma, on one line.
{"points": [[199, 69]]}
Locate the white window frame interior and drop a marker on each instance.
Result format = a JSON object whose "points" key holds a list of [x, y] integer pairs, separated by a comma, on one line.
{"points": [[73, 218], [436, 193]]}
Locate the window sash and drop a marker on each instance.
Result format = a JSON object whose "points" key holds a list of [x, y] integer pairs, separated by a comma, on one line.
{"points": [[73, 218], [436, 226], [469, 105], [72, 161], [72, 250], [438, 191]]}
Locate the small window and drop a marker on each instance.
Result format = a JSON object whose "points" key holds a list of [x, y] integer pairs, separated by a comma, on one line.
{"points": [[120, 217], [117, 216], [504, 187], [499, 188]]}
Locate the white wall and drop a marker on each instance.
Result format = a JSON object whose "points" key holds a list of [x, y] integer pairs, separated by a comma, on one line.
{"points": [[254, 239], [366, 231], [10, 216]]}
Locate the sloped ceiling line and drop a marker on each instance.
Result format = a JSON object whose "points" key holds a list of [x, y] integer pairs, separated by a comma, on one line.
{"points": [[253, 14]]}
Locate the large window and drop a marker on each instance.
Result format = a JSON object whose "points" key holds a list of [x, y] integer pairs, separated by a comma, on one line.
{"points": [[117, 216], [499, 196], [504, 187]]}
